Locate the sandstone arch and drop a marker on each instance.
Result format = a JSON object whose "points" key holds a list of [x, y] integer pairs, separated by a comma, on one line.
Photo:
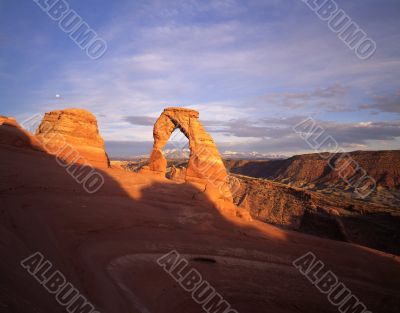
{"points": [[205, 167]]}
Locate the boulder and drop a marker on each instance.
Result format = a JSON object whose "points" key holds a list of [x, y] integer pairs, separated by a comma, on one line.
{"points": [[177, 173]]}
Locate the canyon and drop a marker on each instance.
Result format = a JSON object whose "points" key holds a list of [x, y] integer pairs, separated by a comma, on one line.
{"points": [[305, 194]]}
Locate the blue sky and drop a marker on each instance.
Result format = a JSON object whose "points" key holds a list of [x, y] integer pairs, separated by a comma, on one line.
{"points": [[252, 68]]}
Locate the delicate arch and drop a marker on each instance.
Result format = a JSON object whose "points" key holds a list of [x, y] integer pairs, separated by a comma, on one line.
{"points": [[205, 167]]}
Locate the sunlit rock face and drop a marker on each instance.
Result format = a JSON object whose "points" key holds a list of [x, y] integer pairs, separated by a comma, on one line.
{"points": [[177, 174], [205, 168], [73, 134]]}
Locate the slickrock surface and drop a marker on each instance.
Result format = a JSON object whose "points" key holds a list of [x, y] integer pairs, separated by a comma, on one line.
{"points": [[107, 245], [337, 215], [12, 134], [205, 169], [74, 135]]}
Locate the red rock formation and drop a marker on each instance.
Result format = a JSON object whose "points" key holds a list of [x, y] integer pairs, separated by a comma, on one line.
{"points": [[73, 135], [177, 173], [107, 245], [335, 216], [12, 134], [205, 168], [312, 169]]}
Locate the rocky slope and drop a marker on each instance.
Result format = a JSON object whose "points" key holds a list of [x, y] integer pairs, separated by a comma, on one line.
{"points": [[12, 134], [316, 171], [321, 214], [307, 193], [332, 213]]}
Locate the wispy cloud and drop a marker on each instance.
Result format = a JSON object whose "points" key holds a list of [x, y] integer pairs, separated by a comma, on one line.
{"points": [[359, 134], [329, 99], [141, 120], [251, 68], [384, 103]]}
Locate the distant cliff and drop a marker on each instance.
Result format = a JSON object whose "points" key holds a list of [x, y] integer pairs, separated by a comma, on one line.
{"points": [[312, 170]]}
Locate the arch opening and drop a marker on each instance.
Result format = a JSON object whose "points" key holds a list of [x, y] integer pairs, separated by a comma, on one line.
{"points": [[177, 153]]}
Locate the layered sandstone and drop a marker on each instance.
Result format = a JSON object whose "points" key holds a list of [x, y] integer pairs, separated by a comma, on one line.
{"points": [[73, 135], [331, 215], [205, 168], [327, 170], [177, 173]]}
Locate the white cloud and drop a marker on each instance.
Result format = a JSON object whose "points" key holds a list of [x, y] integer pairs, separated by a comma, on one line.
{"points": [[215, 57]]}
